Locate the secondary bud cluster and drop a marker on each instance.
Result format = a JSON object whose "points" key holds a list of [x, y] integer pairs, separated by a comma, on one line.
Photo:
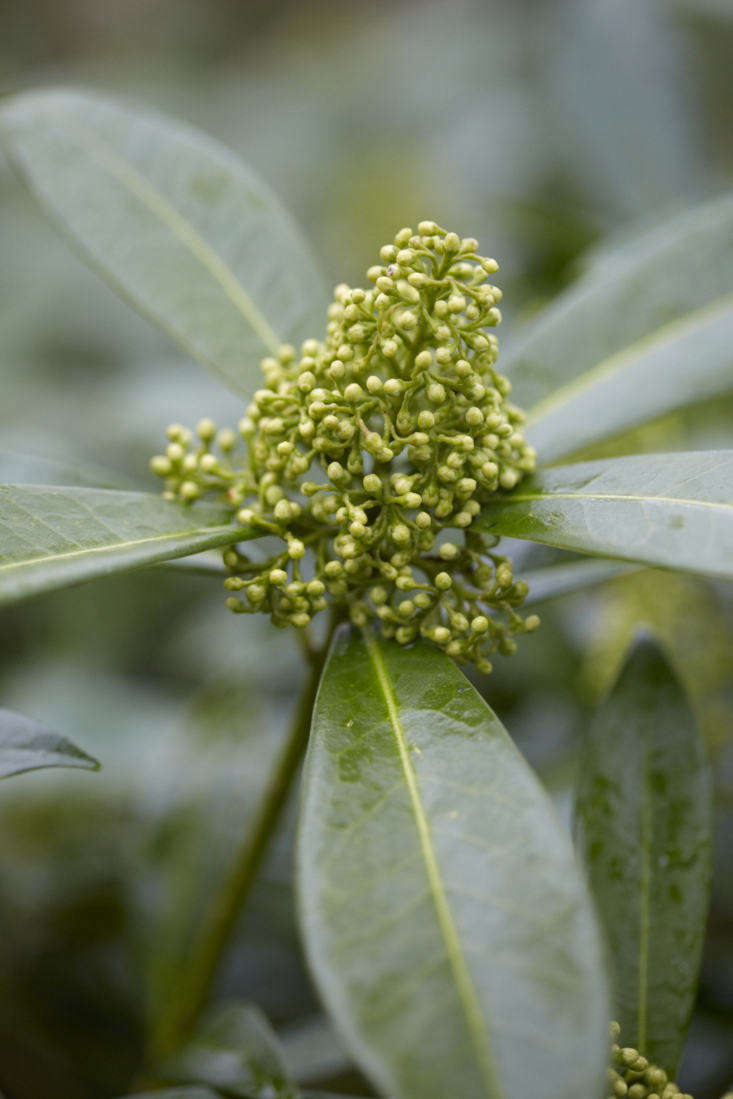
{"points": [[631, 1075], [370, 454]]}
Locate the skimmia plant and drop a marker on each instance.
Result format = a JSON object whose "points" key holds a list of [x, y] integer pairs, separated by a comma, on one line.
{"points": [[377, 455]]}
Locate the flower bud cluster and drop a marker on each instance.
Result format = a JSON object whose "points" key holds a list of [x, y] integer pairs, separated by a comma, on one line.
{"points": [[631, 1075], [370, 454]]}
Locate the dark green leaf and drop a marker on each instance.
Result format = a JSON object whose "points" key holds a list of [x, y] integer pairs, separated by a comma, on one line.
{"points": [[648, 330], [644, 813], [446, 923], [175, 223], [235, 1050], [55, 537], [673, 510], [26, 745]]}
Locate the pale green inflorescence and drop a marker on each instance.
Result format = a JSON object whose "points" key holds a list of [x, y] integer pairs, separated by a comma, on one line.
{"points": [[370, 454], [632, 1076]]}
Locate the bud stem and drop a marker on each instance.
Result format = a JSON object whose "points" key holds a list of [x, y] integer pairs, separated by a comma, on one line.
{"points": [[219, 922]]}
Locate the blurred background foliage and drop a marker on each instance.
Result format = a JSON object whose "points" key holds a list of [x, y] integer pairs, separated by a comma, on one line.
{"points": [[547, 128]]}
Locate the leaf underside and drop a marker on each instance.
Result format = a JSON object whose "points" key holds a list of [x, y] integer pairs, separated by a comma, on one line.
{"points": [[26, 745], [52, 537], [649, 329]]}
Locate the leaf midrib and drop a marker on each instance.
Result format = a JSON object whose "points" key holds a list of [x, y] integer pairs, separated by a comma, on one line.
{"points": [[466, 991], [154, 201], [550, 494], [115, 546], [620, 360]]}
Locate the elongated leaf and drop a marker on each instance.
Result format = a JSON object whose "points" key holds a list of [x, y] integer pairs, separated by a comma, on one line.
{"points": [[34, 469], [174, 221], [673, 510], [644, 813], [54, 537], [646, 331], [445, 920], [201, 564], [554, 580], [26, 745], [234, 1050], [681, 363]]}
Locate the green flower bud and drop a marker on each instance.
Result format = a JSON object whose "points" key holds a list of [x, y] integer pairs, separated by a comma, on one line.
{"points": [[226, 439], [174, 452], [354, 393], [189, 490], [160, 465]]}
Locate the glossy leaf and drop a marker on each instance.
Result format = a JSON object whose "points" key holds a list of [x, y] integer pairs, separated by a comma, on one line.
{"points": [[236, 1051], [644, 813], [173, 221], [673, 510], [648, 330], [26, 745], [55, 537], [446, 923]]}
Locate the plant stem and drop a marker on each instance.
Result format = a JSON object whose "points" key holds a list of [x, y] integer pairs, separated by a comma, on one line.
{"points": [[221, 918]]}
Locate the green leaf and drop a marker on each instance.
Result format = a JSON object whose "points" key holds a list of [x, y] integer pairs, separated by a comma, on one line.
{"points": [[34, 469], [554, 580], [644, 813], [234, 1050], [200, 564], [444, 917], [673, 510], [175, 223], [648, 330], [55, 537], [26, 745]]}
